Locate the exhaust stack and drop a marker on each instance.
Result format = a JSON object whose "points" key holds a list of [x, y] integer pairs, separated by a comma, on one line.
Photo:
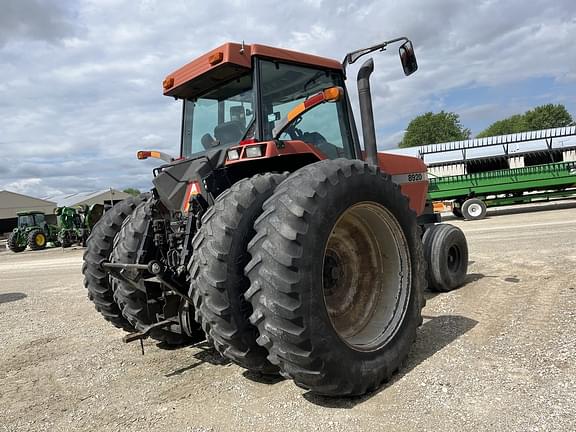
{"points": [[366, 113]]}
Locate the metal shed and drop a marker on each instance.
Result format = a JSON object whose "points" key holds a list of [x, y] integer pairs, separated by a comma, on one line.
{"points": [[11, 203]]}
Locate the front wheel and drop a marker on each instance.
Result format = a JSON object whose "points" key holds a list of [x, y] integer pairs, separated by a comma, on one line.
{"points": [[446, 253], [336, 277]]}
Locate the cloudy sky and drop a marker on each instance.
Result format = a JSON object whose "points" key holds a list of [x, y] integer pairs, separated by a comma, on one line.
{"points": [[80, 81]]}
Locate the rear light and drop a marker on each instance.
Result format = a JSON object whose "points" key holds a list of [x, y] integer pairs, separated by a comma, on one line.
{"points": [[233, 154], [248, 141], [254, 151], [192, 189]]}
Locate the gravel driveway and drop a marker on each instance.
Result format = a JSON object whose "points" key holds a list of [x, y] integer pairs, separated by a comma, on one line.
{"points": [[498, 354]]}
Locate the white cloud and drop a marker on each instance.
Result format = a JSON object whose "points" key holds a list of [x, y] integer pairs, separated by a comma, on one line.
{"points": [[81, 82]]}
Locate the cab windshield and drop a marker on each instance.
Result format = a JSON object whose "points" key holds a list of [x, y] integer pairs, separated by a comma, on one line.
{"points": [[25, 221], [284, 86], [219, 118]]}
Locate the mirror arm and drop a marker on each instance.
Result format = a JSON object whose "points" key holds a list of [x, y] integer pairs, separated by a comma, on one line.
{"points": [[348, 59]]}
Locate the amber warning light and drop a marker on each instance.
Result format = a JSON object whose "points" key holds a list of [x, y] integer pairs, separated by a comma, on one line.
{"points": [[216, 58], [168, 83], [145, 154]]}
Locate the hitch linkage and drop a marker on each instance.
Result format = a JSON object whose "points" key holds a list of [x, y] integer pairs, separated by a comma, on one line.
{"points": [[153, 267]]}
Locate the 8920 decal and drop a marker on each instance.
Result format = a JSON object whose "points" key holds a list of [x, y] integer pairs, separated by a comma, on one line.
{"points": [[415, 177]]}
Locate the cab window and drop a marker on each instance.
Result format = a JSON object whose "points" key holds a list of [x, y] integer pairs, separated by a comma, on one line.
{"points": [[326, 126]]}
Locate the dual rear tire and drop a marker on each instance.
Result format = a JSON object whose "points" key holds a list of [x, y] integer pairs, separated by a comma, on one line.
{"points": [[336, 277], [333, 293]]}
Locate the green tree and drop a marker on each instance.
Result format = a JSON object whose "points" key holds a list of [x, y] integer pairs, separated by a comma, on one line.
{"points": [[547, 116], [430, 128], [542, 117], [132, 191], [513, 124]]}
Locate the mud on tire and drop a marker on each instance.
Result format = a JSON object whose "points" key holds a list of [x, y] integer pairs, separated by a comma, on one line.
{"points": [[298, 279], [218, 282], [99, 248]]}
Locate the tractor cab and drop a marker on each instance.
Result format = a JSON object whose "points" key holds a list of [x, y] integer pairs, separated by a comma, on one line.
{"points": [[237, 114], [249, 109], [31, 219]]}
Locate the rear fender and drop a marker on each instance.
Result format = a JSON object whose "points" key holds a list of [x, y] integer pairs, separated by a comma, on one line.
{"points": [[411, 174]]}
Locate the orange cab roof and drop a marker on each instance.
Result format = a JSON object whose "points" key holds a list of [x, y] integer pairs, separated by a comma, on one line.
{"points": [[233, 58]]}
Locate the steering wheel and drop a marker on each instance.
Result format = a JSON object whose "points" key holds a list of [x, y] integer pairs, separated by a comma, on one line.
{"points": [[293, 131]]}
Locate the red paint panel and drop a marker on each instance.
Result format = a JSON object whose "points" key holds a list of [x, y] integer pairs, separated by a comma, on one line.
{"points": [[398, 164]]}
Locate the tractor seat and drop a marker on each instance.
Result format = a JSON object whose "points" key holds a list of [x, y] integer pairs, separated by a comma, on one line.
{"points": [[229, 133]]}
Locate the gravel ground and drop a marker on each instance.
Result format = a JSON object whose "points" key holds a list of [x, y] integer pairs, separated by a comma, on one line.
{"points": [[498, 354]]}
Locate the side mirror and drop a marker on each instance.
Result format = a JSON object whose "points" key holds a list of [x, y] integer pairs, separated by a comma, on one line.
{"points": [[408, 58]]}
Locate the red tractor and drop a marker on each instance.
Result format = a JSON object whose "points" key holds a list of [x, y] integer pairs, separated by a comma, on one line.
{"points": [[274, 234]]}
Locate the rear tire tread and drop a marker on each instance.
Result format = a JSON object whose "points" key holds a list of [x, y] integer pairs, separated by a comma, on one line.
{"points": [[217, 271], [13, 243], [279, 304], [98, 249]]}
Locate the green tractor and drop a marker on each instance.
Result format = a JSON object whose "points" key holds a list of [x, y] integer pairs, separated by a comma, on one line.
{"points": [[76, 223], [32, 231]]}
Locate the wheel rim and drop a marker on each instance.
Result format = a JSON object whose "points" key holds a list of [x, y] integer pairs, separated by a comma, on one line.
{"points": [[474, 210], [40, 239], [454, 258], [366, 276]]}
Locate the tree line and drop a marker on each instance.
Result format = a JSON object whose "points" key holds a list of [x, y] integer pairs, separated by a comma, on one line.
{"points": [[433, 128]]}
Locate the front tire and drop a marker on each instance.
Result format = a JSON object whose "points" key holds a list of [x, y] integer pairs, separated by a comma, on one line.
{"points": [[446, 253], [337, 277]]}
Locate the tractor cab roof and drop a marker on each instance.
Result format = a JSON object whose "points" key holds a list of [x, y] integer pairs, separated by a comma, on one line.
{"points": [[230, 61]]}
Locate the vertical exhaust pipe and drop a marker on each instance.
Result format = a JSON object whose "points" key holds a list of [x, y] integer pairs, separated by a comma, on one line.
{"points": [[366, 113]]}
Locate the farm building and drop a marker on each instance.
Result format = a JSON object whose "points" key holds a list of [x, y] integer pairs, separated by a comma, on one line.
{"points": [[105, 197], [11, 203]]}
